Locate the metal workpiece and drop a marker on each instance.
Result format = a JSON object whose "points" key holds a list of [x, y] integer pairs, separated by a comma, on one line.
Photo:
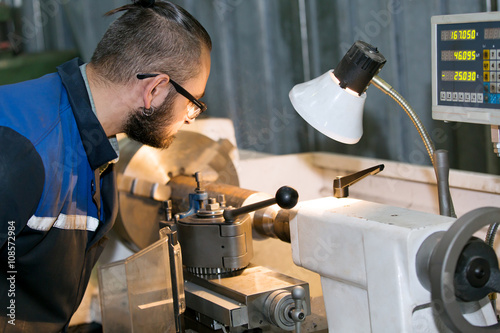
{"points": [[272, 222], [145, 173], [253, 298]]}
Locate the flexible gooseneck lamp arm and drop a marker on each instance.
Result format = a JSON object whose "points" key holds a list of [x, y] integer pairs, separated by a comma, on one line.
{"points": [[378, 82], [438, 158]]}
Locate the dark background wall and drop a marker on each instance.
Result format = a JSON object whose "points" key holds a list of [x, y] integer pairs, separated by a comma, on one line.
{"points": [[262, 48]]}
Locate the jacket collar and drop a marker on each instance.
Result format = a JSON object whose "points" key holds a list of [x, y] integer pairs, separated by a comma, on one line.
{"points": [[99, 150]]}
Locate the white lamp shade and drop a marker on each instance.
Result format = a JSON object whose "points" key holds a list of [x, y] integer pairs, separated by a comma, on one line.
{"points": [[330, 109]]}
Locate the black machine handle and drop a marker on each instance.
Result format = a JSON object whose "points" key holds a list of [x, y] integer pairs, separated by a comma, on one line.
{"points": [[286, 197]]}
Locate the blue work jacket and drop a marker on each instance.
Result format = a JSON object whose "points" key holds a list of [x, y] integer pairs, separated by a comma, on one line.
{"points": [[54, 174]]}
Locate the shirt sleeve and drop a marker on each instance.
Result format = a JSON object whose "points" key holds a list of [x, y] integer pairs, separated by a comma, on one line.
{"points": [[22, 177]]}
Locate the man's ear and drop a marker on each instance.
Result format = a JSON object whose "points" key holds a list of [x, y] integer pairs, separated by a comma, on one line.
{"points": [[156, 87]]}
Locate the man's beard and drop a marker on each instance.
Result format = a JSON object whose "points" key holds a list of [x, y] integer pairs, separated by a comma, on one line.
{"points": [[152, 130]]}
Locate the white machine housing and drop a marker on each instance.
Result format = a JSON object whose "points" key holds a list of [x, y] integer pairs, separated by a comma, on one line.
{"points": [[366, 255]]}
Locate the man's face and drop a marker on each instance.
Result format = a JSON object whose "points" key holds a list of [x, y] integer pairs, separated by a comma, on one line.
{"points": [[158, 130]]}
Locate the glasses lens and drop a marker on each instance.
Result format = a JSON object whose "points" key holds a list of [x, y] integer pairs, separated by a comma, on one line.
{"points": [[193, 111]]}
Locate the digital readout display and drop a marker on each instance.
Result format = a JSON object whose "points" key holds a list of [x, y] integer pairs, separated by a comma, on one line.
{"points": [[466, 67], [464, 34], [458, 55], [469, 76], [492, 33]]}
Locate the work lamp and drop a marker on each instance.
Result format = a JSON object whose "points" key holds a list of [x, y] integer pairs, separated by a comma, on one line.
{"points": [[333, 104]]}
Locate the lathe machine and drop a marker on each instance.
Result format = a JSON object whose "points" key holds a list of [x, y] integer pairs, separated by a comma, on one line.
{"points": [[386, 269]]}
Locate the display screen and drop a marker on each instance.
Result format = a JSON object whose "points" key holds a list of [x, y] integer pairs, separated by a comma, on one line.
{"points": [[458, 76], [459, 55], [462, 34]]}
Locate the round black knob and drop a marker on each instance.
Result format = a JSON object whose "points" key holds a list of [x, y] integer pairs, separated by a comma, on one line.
{"points": [[287, 197], [478, 272], [474, 270]]}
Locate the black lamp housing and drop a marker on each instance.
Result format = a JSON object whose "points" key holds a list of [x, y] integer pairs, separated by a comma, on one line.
{"points": [[359, 65]]}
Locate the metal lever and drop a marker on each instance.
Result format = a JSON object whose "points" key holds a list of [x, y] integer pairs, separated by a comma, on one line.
{"points": [[341, 183], [297, 314], [286, 197]]}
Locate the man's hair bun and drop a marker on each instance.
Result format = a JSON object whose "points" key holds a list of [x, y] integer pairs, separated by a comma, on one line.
{"points": [[145, 3]]}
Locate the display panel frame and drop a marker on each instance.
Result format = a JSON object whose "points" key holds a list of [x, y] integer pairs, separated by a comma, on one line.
{"points": [[452, 101]]}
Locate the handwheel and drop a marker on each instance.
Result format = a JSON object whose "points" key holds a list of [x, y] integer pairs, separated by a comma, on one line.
{"points": [[458, 260]]}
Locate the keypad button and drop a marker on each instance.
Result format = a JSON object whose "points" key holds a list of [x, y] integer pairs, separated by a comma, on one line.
{"points": [[448, 96], [442, 96], [493, 54], [493, 76], [467, 97], [460, 96], [493, 88], [473, 98], [493, 65], [479, 98], [455, 97]]}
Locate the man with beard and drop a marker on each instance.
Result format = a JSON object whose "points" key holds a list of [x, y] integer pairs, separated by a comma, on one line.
{"points": [[58, 194]]}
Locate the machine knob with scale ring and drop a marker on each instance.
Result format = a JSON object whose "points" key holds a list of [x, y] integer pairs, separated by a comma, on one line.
{"points": [[458, 266], [286, 309]]}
